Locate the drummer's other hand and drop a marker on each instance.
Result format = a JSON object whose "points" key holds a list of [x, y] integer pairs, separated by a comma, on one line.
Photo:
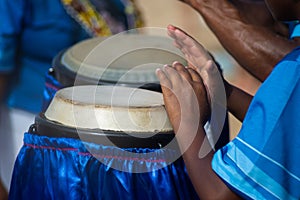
{"points": [[198, 59], [194, 52], [184, 94]]}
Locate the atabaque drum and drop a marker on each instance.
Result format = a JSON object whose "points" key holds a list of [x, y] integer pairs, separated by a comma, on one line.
{"points": [[128, 59], [101, 142]]}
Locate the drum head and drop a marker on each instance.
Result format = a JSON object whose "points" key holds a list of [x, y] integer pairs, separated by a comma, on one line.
{"points": [[124, 59], [112, 108]]}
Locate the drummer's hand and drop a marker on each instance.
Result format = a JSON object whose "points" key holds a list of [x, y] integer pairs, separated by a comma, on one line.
{"points": [[194, 52], [184, 95], [198, 58]]}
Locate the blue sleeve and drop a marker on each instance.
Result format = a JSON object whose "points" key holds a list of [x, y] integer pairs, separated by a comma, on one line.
{"points": [[11, 15], [262, 162], [296, 31]]}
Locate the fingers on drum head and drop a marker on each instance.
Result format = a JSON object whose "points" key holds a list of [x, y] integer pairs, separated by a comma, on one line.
{"points": [[194, 75], [183, 72]]}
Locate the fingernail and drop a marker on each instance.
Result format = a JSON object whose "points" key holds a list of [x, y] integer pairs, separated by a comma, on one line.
{"points": [[171, 27], [167, 67], [176, 62]]}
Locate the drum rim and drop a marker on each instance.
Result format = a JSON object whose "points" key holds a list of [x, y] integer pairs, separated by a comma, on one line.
{"points": [[49, 128], [67, 77], [65, 59]]}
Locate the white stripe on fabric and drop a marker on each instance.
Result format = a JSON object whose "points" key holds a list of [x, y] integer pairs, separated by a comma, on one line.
{"points": [[261, 178], [234, 178], [268, 158]]}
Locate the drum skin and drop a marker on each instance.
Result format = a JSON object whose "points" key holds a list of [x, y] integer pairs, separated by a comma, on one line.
{"points": [[125, 59], [128, 60]]}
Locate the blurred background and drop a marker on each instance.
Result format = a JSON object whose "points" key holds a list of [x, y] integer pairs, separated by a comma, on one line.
{"points": [[159, 13]]}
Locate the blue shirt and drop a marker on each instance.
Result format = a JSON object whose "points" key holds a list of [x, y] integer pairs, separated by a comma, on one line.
{"points": [[296, 30], [32, 32], [262, 162]]}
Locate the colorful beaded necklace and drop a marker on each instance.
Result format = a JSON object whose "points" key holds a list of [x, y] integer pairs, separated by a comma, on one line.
{"points": [[95, 23]]}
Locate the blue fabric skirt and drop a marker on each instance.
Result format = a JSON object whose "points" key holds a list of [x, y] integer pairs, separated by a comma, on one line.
{"points": [[64, 168]]}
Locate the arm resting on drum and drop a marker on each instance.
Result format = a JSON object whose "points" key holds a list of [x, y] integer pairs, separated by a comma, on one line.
{"points": [[206, 182], [254, 47]]}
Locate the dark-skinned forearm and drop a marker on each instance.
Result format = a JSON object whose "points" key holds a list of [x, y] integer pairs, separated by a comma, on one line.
{"points": [[238, 102], [254, 12], [254, 47], [257, 13], [205, 181]]}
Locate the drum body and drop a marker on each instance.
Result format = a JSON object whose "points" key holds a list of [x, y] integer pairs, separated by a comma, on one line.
{"points": [[60, 161]]}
